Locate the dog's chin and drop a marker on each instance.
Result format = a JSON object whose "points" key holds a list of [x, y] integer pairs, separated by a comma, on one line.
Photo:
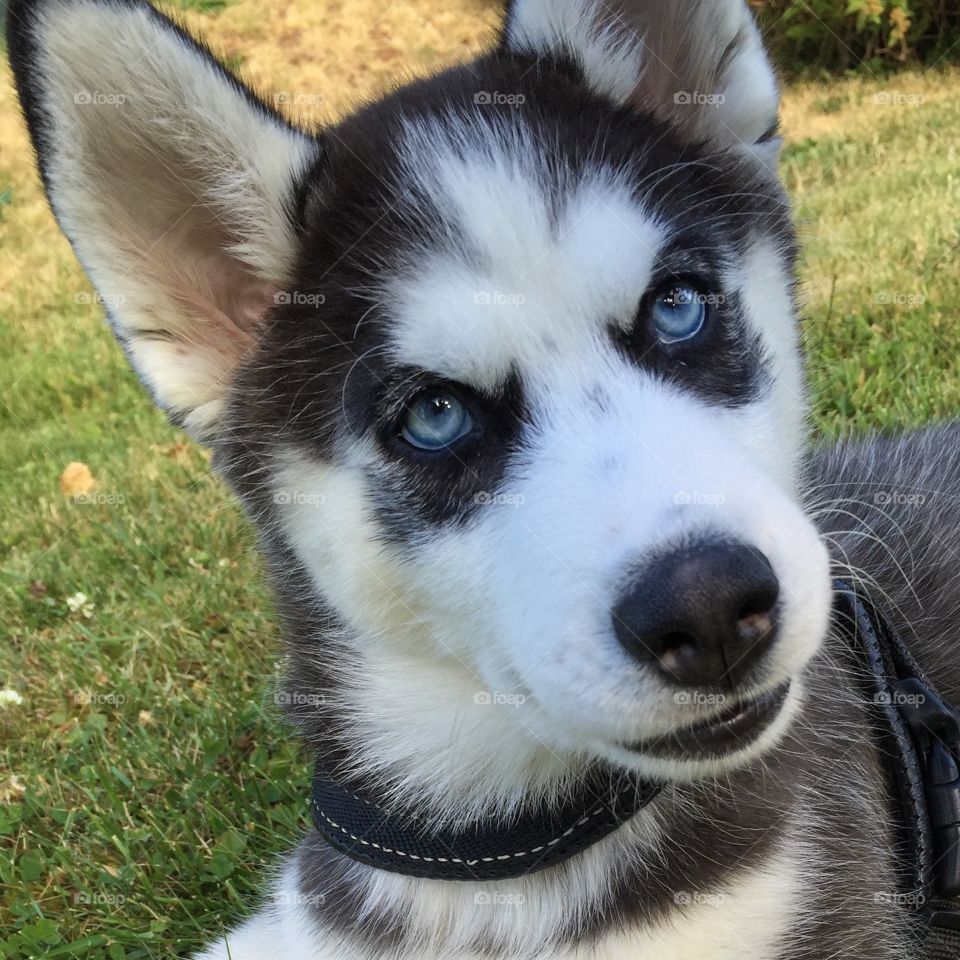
{"points": [[732, 739]]}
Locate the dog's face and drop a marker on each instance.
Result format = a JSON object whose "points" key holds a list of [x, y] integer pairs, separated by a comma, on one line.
{"points": [[505, 366]]}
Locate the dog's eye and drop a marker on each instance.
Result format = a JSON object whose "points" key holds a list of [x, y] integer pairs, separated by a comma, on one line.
{"points": [[435, 419], [679, 311]]}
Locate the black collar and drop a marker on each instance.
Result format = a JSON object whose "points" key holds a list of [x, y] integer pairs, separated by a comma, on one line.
{"points": [[918, 737], [355, 823]]}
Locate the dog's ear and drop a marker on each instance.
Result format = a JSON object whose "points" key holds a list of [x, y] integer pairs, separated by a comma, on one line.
{"points": [[700, 64], [173, 182]]}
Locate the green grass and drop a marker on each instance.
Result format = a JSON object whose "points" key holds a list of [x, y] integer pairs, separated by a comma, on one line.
{"points": [[876, 181], [145, 780], [155, 777]]}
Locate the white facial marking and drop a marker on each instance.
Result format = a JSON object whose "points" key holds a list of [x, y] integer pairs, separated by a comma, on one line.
{"points": [[520, 282]]}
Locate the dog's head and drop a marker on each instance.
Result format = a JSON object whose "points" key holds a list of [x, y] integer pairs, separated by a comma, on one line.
{"points": [[505, 367]]}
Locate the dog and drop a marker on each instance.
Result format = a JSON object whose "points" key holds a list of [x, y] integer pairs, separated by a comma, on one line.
{"points": [[505, 370]]}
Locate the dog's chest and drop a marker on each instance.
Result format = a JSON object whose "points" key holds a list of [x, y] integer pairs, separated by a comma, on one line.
{"points": [[749, 919]]}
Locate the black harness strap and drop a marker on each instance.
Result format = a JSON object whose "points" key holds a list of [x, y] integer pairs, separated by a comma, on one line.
{"points": [[352, 821], [918, 734]]}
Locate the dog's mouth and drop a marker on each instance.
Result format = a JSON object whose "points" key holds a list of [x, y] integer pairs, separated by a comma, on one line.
{"points": [[734, 728]]}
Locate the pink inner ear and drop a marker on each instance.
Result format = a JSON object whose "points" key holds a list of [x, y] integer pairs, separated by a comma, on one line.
{"points": [[224, 305]]}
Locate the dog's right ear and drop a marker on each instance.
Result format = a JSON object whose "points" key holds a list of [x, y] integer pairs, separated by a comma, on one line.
{"points": [[173, 182], [698, 64]]}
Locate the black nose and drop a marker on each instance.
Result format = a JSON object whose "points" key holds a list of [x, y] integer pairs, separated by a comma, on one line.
{"points": [[703, 615]]}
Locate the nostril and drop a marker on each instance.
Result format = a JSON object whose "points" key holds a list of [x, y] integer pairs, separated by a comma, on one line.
{"points": [[755, 618], [753, 628], [677, 652]]}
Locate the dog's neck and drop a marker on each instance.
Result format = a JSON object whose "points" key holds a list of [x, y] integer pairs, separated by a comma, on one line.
{"points": [[416, 724], [434, 740]]}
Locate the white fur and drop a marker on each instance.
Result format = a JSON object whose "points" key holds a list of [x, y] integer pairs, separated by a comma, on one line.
{"points": [[751, 915], [515, 286], [666, 56], [612, 58]]}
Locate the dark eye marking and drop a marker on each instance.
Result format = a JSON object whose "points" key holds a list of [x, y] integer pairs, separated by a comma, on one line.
{"points": [[690, 332]]}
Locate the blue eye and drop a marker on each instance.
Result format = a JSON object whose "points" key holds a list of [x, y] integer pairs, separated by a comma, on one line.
{"points": [[679, 311], [434, 420]]}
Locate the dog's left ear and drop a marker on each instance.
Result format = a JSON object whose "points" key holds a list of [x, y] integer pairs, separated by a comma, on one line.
{"points": [[175, 184], [699, 64]]}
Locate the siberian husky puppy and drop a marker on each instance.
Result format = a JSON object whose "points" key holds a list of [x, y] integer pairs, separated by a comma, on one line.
{"points": [[505, 370]]}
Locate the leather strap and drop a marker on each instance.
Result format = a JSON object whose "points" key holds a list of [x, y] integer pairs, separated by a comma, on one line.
{"points": [[355, 822], [918, 737]]}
